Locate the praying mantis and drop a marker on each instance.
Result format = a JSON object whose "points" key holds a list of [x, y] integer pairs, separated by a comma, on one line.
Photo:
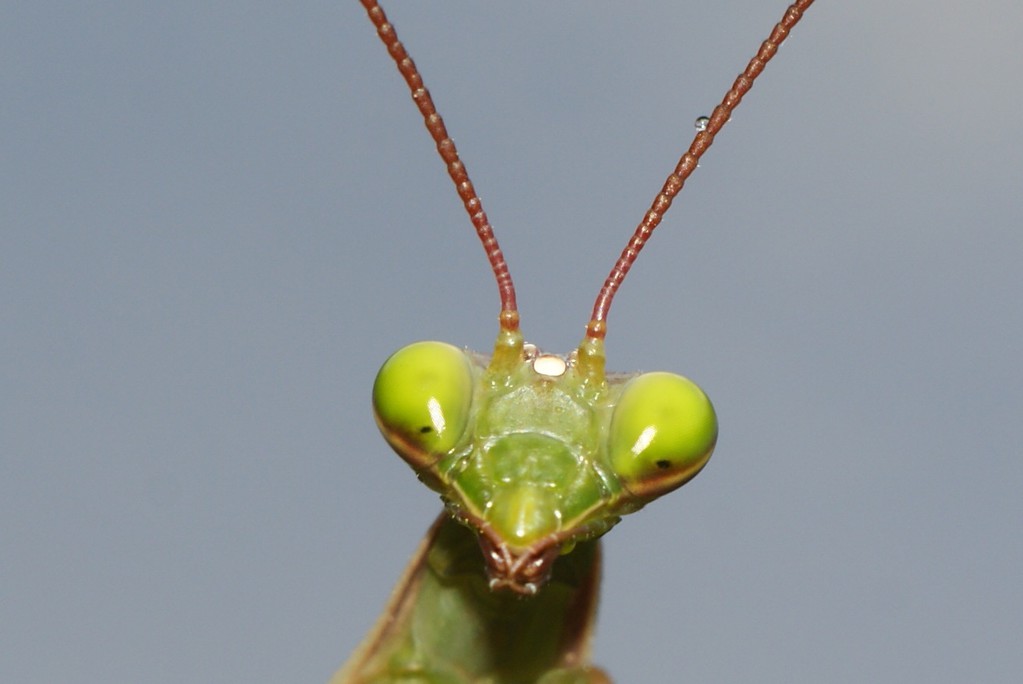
{"points": [[535, 456]]}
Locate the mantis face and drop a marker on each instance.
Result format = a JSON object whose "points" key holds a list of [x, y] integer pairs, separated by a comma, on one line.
{"points": [[536, 452]]}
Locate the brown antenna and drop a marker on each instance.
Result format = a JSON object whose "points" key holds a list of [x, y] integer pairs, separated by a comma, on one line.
{"points": [[687, 164], [456, 169]]}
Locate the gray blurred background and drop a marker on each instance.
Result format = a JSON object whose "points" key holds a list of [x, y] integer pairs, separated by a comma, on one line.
{"points": [[217, 220]]}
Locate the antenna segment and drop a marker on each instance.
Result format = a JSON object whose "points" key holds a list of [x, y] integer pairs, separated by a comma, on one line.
{"points": [[687, 164], [456, 169]]}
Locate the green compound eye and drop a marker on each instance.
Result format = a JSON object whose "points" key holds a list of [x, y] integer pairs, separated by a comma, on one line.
{"points": [[421, 399], [663, 432]]}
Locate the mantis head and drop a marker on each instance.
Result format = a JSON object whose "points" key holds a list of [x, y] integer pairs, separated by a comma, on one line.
{"points": [[536, 452]]}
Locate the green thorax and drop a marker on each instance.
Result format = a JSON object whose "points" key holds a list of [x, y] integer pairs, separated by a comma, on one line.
{"points": [[443, 625]]}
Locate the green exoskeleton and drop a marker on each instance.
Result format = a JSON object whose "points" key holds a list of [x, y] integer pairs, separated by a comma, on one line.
{"points": [[534, 455]]}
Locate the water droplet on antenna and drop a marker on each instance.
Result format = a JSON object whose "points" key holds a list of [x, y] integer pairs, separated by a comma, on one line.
{"points": [[702, 123]]}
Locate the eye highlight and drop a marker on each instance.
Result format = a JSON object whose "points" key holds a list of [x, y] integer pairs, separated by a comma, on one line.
{"points": [[663, 431], [421, 399]]}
